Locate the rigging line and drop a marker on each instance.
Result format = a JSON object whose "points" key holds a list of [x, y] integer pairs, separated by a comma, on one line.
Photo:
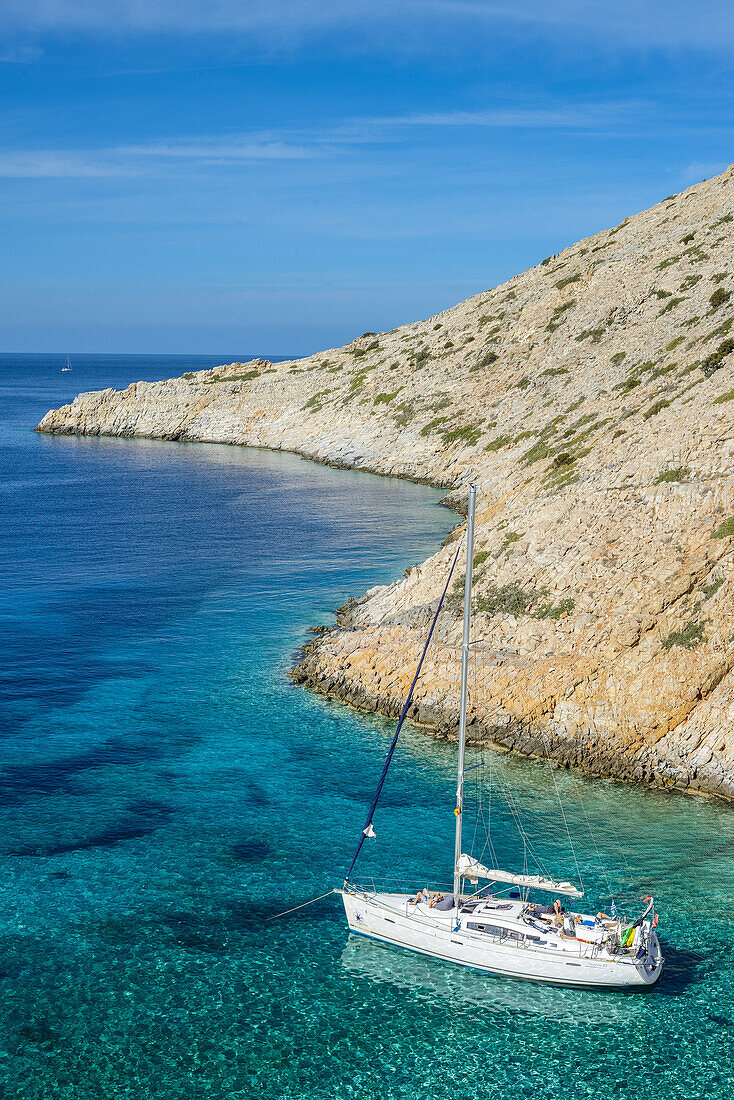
{"points": [[367, 827], [546, 739], [568, 831], [302, 905], [592, 834], [506, 790], [514, 809], [617, 837]]}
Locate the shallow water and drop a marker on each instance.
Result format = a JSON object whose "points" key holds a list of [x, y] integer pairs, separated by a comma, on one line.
{"points": [[164, 788]]}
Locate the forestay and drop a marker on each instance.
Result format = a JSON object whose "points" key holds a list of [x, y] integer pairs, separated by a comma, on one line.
{"points": [[470, 868]]}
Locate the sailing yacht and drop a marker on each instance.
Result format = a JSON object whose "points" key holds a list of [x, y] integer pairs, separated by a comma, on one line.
{"points": [[498, 928], [67, 366]]}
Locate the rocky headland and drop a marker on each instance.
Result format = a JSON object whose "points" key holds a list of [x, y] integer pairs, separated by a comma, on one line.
{"points": [[592, 400]]}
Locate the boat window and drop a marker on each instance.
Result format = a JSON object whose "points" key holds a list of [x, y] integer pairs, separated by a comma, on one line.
{"points": [[490, 929], [535, 939], [507, 906], [512, 935]]}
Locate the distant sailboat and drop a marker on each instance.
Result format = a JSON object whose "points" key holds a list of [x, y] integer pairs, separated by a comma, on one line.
{"points": [[68, 365], [481, 928]]}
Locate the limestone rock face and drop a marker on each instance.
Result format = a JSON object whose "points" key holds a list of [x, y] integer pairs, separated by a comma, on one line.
{"points": [[591, 398]]}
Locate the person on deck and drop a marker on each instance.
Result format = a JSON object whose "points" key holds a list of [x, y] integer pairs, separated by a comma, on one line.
{"points": [[422, 895]]}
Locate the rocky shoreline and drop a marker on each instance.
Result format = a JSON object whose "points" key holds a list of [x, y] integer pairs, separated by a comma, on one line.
{"points": [[591, 398]]}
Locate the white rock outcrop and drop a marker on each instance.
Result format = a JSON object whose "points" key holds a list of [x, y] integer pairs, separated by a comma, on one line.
{"points": [[592, 399]]}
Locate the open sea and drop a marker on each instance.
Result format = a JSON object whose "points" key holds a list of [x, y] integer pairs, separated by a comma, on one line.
{"points": [[164, 788]]}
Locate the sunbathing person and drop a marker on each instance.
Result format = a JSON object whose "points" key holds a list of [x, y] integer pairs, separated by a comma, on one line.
{"points": [[553, 913], [422, 895]]}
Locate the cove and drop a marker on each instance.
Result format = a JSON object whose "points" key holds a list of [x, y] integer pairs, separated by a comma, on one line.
{"points": [[164, 788]]}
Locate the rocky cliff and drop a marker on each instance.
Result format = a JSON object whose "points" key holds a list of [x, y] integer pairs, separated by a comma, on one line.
{"points": [[591, 398]]}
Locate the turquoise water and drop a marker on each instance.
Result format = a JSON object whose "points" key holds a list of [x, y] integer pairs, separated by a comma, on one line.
{"points": [[164, 788]]}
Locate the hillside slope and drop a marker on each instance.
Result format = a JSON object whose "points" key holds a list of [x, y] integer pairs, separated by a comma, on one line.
{"points": [[592, 399]]}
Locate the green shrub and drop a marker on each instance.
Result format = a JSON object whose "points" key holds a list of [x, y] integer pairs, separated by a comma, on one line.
{"points": [[480, 558], [628, 385], [246, 377], [486, 361], [688, 638], [432, 425], [670, 305], [567, 281], [595, 334], [656, 408], [554, 611], [719, 277], [509, 599], [469, 434], [551, 372], [662, 293], [510, 537], [315, 402], [189, 375], [678, 474], [688, 238], [523, 383], [710, 590], [719, 297], [618, 357], [724, 397], [537, 453], [406, 412], [715, 360], [557, 315], [674, 343], [498, 443], [386, 398], [667, 263], [356, 382], [726, 531]]}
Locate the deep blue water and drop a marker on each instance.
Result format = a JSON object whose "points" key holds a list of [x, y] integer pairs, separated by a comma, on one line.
{"points": [[164, 788]]}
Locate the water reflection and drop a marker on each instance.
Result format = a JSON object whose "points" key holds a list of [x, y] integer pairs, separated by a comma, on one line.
{"points": [[461, 988]]}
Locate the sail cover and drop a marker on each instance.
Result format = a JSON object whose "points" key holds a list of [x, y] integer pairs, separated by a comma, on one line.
{"points": [[471, 868]]}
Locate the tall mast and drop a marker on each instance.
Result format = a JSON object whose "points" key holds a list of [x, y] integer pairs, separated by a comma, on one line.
{"points": [[464, 683]]}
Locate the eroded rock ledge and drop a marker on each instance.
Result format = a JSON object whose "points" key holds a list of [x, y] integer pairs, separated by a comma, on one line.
{"points": [[591, 399]]}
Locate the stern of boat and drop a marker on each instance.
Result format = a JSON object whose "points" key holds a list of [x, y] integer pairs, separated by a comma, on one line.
{"points": [[650, 966]]}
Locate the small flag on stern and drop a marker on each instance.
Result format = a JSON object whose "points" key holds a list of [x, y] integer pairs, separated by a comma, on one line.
{"points": [[613, 910], [369, 832]]}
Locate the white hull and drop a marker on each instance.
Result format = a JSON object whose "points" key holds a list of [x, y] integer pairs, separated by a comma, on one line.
{"points": [[547, 958]]}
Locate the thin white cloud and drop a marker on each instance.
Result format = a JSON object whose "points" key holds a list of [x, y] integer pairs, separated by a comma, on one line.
{"points": [[296, 145], [21, 55], [582, 116], [56, 164], [228, 149], [635, 25], [136, 159], [699, 170]]}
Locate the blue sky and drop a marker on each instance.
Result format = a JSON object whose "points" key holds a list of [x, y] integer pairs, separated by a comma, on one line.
{"points": [[278, 177]]}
